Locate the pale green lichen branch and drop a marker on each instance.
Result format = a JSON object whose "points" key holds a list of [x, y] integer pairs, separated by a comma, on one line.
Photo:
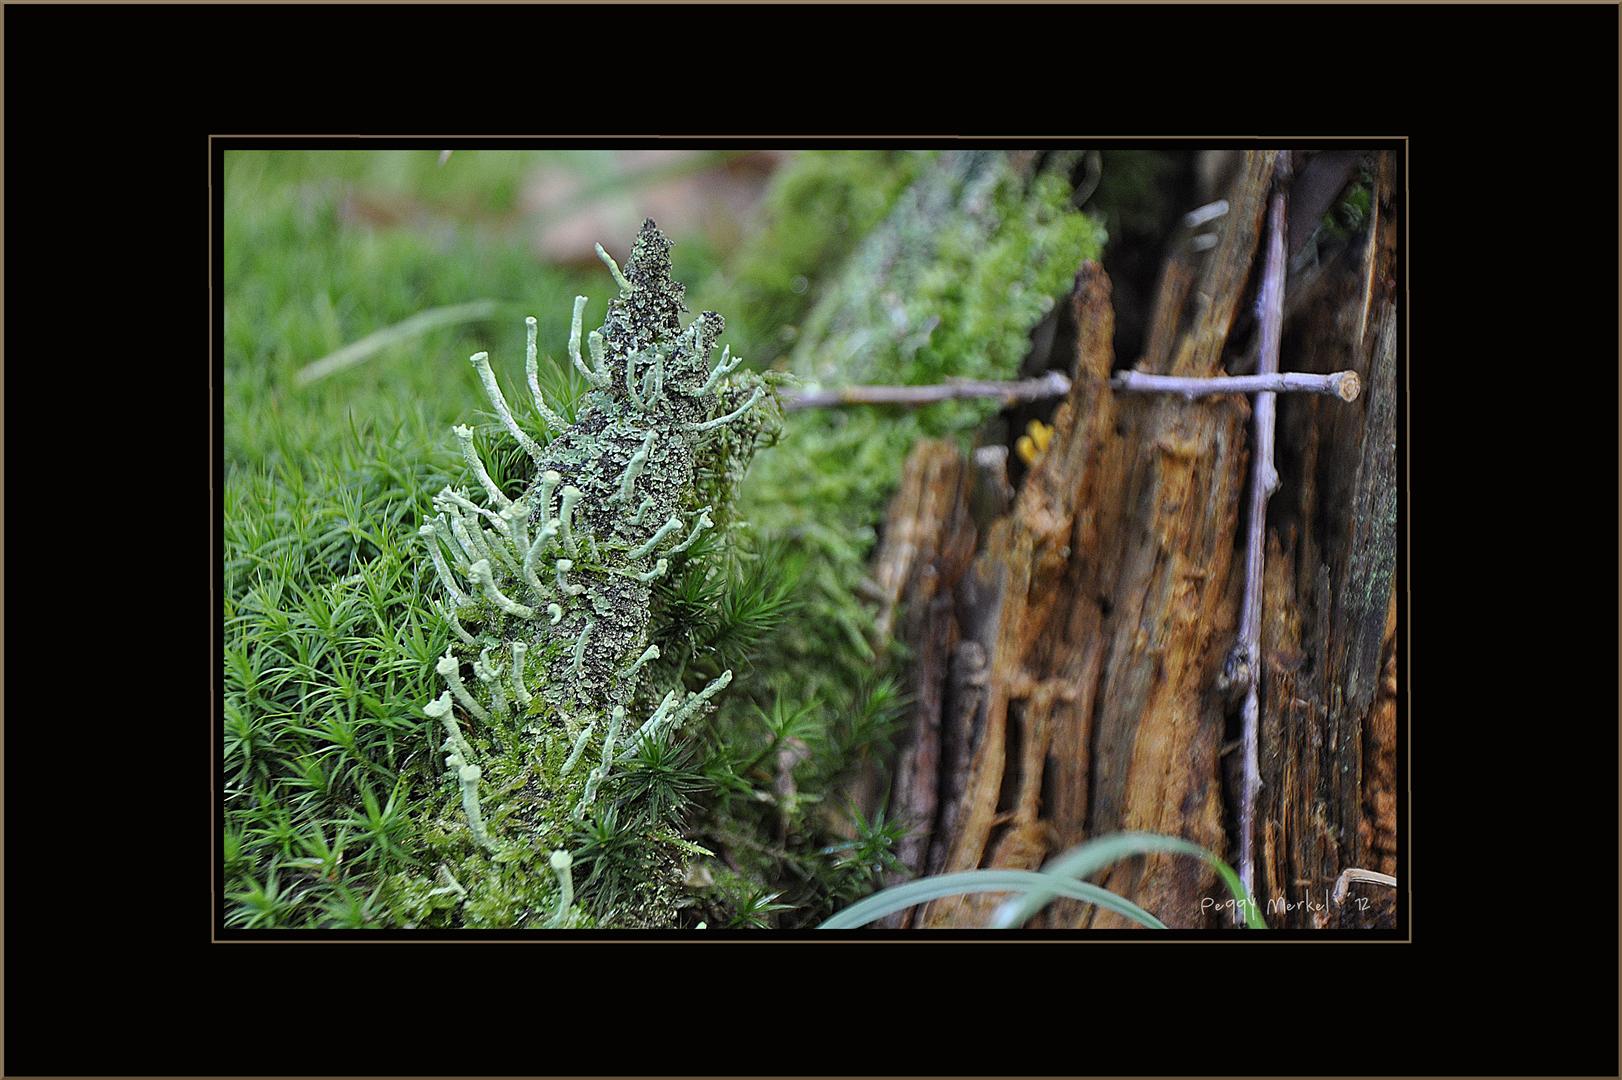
{"points": [[494, 545], [561, 864], [516, 516], [450, 499], [451, 671], [699, 526], [571, 498], [550, 479], [649, 729], [633, 469], [431, 540], [720, 371], [579, 748], [532, 366], [615, 721], [491, 675], [731, 416], [467, 773], [464, 436], [520, 691], [470, 539], [481, 364], [630, 382], [469, 776], [580, 647], [599, 774], [563, 567], [441, 526], [593, 377], [650, 653], [450, 886], [441, 709], [493, 669], [670, 526], [456, 624], [599, 357], [542, 538], [614, 268], [653, 383], [693, 704], [479, 572]]}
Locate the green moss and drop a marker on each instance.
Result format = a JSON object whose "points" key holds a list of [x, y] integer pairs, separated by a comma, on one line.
{"points": [[1351, 210], [969, 260], [819, 208], [965, 262]]}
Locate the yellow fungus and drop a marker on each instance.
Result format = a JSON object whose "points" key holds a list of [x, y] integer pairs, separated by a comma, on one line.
{"points": [[1034, 442]]}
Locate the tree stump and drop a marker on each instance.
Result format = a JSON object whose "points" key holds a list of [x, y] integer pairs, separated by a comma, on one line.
{"points": [[1066, 650]]}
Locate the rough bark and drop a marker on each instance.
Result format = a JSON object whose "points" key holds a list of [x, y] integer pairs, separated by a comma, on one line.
{"points": [[1065, 676], [1329, 630]]}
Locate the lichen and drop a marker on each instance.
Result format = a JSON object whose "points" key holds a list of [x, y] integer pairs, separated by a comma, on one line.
{"points": [[551, 596]]}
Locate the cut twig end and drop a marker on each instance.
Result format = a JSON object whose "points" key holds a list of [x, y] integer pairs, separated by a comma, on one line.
{"points": [[1342, 384]]}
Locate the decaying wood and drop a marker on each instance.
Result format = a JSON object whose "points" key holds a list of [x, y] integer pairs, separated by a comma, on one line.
{"points": [[929, 539], [1329, 680], [1067, 680]]}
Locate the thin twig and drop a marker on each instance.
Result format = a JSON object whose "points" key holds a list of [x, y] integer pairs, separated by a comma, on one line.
{"points": [[1342, 384], [1244, 663], [1053, 384], [1373, 877]]}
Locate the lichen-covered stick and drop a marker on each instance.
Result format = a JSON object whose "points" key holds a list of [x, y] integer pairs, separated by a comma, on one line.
{"points": [[559, 578]]}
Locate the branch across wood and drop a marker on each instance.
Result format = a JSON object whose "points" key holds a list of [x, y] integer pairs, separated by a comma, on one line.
{"points": [[1342, 384]]}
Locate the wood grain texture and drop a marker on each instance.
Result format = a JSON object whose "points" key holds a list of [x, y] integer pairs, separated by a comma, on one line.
{"points": [[1067, 683]]}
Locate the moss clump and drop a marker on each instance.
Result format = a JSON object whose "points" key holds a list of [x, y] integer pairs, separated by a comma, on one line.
{"points": [[819, 208], [970, 258]]}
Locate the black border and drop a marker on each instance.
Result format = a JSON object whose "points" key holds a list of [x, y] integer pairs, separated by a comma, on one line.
{"points": [[1511, 112]]}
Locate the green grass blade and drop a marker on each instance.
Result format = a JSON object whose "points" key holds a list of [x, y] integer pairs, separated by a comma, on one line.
{"points": [[901, 897], [417, 325], [1230, 877], [1095, 855]]}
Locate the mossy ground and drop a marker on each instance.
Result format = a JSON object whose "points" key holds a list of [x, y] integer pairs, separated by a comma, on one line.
{"points": [[334, 780], [330, 631]]}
